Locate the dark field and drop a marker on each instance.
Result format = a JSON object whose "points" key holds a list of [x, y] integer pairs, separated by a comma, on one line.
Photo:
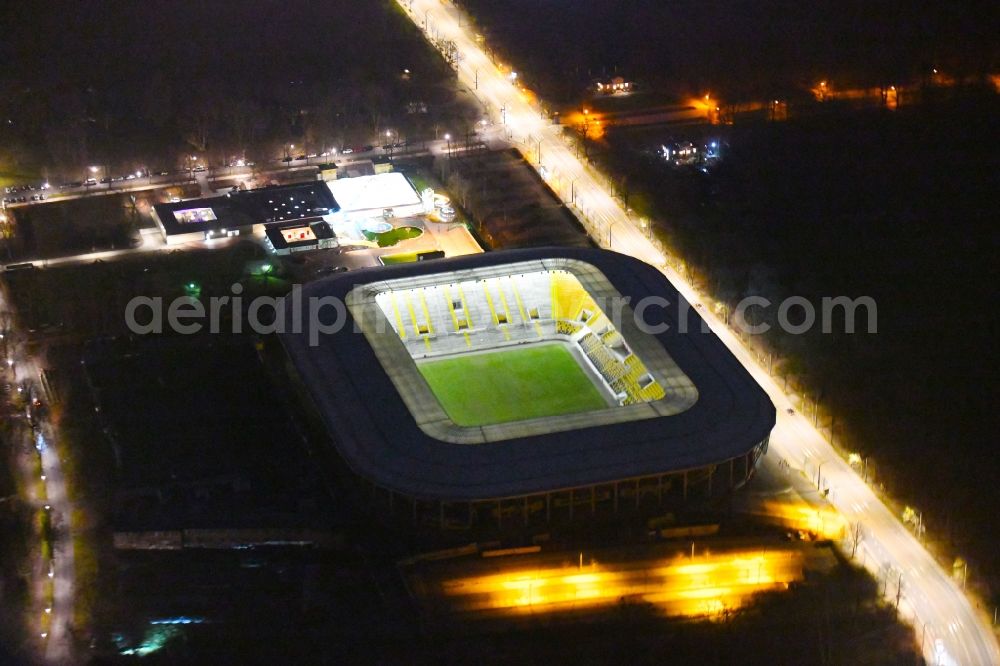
{"points": [[736, 48], [87, 300], [200, 436], [510, 205]]}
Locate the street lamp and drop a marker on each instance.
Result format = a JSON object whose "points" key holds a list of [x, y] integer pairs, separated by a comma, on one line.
{"points": [[819, 474], [447, 138], [387, 146]]}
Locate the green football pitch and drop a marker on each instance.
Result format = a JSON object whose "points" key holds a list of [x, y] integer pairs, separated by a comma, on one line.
{"points": [[511, 385]]}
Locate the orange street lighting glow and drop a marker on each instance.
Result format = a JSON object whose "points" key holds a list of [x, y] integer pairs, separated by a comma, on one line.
{"points": [[823, 522], [681, 586]]}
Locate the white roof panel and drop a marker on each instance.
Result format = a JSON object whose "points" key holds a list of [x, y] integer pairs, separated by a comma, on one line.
{"points": [[378, 192]]}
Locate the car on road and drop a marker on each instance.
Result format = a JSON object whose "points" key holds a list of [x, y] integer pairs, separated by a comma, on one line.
{"points": [[331, 270]]}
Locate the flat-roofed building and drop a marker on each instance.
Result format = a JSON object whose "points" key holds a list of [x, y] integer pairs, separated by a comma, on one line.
{"points": [[366, 197], [298, 237], [245, 212]]}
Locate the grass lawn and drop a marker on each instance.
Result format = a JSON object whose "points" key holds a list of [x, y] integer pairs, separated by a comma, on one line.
{"points": [[402, 258], [511, 385], [390, 238]]}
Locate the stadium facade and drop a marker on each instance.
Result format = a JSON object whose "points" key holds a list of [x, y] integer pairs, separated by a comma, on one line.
{"points": [[528, 385]]}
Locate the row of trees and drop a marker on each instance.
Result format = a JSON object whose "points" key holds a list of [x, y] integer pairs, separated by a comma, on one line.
{"points": [[327, 75]]}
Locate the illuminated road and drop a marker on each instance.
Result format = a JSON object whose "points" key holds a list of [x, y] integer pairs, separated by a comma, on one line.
{"points": [[944, 616], [56, 575], [63, 571]]}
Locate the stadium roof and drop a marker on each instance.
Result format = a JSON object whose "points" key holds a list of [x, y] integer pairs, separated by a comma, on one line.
{"points": [[374, 431]]}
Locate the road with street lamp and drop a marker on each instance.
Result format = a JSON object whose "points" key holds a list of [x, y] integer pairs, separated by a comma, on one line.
{"points": [[949, 628]]}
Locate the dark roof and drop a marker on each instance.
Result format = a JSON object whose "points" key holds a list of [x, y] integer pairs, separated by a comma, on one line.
{"points": [[374, 432], [321, 230], [246, 208]]}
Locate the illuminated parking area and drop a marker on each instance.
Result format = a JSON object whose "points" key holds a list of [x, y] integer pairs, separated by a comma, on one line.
{"points": [[413, 323], [703, 585]]}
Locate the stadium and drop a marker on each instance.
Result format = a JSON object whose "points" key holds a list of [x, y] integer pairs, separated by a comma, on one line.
{"points": [[528, 385]]}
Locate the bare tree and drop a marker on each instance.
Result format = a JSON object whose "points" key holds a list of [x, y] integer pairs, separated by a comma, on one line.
{"points": [[855, 537]]}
